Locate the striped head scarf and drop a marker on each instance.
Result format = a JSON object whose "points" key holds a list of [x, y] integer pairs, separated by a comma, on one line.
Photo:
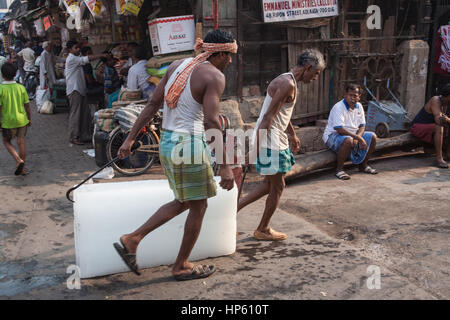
{"points": [[180, 82]]}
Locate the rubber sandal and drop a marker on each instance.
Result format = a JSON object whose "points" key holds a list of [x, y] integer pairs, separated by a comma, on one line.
{"points": [[370, 170], [197, 272], [273, 236], [77, 142], [19, 168], [26, 172], [442, 165], [128, 258], [342, 175]]}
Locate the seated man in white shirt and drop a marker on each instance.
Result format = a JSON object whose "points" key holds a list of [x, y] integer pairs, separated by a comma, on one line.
{"points": [[137, 76], [127, 65], [345, 133]]}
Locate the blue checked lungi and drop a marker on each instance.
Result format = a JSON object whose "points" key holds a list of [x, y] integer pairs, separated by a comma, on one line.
{"points": [[271, 162], [357, 155]]}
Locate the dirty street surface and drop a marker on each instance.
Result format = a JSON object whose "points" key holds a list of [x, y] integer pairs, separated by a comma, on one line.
{"points": [[372, 237]]}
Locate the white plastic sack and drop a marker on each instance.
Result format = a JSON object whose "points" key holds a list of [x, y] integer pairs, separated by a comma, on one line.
{"points": [[41, 97], [107, 173], [47, 107]]}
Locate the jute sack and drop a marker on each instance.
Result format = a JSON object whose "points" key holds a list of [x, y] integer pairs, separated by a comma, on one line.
{"points": [[119, 104], [129, 95]]}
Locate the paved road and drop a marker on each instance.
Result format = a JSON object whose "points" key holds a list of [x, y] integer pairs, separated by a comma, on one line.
{"points": [[397, 221]]}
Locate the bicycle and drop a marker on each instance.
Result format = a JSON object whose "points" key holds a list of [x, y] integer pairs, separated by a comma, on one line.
{"points": [[144, 156], [31, 83], [147, 153]]}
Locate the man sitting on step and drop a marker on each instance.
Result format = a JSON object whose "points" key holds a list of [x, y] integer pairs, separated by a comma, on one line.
{"points": [[345, 133]]}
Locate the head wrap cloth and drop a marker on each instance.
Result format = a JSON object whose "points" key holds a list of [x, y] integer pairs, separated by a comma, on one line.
{"points": [[180, 82]]}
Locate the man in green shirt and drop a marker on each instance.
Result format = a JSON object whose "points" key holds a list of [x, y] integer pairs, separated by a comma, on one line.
{"points": [[15, 111]]}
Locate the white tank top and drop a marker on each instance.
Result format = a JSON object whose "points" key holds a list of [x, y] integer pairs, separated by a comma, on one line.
{"points": [[276, 138], [188, 116]]}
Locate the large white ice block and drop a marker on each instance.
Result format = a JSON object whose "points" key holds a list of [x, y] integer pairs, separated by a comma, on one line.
{"points": [[103, 212]]}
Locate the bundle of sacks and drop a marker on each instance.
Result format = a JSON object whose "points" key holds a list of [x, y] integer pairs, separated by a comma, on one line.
{"points": [[157, 66], [127, 96], [105, 118]]}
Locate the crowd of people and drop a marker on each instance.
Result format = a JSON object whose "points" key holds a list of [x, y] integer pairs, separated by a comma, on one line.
{"points": [[121, 66], [190, 93]]}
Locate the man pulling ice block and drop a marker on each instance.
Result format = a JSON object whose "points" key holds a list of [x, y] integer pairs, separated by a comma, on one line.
{"points": [[190, 91]]}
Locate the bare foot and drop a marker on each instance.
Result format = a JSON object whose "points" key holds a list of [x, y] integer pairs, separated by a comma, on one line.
{"points": [[185, 269], [269, 235], [129, 243]]}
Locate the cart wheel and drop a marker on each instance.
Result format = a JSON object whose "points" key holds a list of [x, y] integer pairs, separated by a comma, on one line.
{"points": [[138, 162], [382, 130]]}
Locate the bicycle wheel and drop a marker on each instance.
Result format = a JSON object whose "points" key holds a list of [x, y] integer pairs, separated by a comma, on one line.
{"points": [[31, 85], [140, 160]]}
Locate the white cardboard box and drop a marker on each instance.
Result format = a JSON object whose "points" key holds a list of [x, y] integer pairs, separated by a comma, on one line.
{"points": [[172, 34]]}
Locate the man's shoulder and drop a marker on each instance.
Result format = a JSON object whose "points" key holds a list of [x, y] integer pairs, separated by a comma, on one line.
{"points": [[283, 81], [339, 106], [360, 106], [209, 73]]}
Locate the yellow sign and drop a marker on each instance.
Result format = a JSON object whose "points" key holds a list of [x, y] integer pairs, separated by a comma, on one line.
{"points": [[94, 6], [133, 6]]}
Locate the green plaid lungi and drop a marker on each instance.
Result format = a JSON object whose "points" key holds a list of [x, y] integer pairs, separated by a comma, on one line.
{"points": [[186, 160]]}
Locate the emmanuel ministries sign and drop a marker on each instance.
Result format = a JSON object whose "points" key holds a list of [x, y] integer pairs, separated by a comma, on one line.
{"points": [[289, 10]]}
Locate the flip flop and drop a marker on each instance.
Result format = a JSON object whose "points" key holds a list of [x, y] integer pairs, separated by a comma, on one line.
{"points": [[273, 236], [77, 142], [342, 175], [128, 258], [369, 170], [25, 172], [442, 165], [197, 272], [19, 168]]}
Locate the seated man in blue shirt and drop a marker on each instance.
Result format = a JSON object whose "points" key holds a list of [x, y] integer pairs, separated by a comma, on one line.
{"points": [[345, 133]]}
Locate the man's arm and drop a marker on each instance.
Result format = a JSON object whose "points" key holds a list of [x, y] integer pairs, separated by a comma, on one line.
{"points": [[293, 139], [97, 56], [28, 111], [356, 137], [439, 117]]}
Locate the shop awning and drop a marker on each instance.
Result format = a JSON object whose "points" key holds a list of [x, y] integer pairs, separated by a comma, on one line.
{"points": [[16, 10], [35, 14]]}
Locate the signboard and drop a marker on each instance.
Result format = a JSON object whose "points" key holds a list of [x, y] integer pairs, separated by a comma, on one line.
{"points": [[133, 6], [71, 6], [94, 6], [47, 22], [120, 4], [172, 34], [291, 10]]}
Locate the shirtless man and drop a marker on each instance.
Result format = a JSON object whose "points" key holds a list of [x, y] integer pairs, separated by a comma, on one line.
{"points": [[431, 125]]}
